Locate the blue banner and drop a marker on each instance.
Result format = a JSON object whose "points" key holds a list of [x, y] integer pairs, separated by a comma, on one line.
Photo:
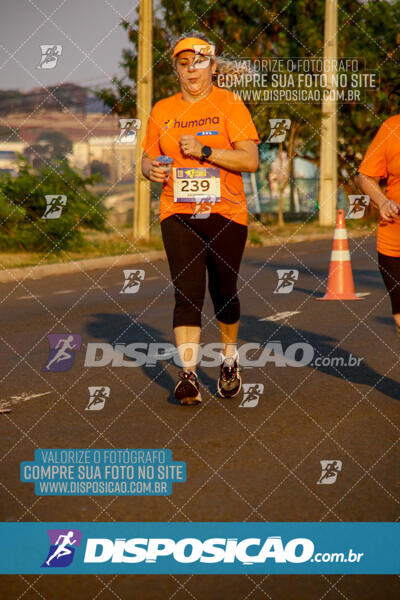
{"points": [[103, 472], [200, 548]]}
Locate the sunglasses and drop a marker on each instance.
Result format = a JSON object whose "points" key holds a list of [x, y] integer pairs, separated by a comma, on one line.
{"points": [[199, 62]]}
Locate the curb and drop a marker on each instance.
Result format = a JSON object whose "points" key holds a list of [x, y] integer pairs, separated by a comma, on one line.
{"points": [[89, 264], [77, 266], [311, 238]]}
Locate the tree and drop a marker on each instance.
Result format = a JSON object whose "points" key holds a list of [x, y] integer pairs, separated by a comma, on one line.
{"points": [[243, 29], [282, 177]]}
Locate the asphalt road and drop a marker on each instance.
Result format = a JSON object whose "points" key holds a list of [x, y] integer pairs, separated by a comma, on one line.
{"points": [[244, 463]]}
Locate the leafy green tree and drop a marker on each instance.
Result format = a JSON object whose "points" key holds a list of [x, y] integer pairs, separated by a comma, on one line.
{"points": [[242, 29], [23, 204]]}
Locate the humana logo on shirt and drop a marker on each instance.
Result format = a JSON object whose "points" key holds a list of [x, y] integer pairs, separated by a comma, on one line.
{"points": [[194, 123]]}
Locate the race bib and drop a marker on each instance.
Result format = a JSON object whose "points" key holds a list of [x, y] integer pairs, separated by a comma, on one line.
{"points": [[201, 184]]}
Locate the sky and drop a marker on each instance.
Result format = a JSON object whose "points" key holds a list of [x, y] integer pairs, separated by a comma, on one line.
{"points": [[88, 31]]}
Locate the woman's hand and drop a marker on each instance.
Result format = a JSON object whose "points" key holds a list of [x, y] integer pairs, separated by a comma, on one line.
{"points": [[389, 210], [190, 146], [152, 170], [157, 173]]}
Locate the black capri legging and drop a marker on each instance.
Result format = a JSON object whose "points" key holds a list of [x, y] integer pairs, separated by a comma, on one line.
{"points": [[215, 244], [389, 267]]}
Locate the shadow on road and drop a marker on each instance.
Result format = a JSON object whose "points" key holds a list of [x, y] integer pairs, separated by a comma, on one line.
{"points": [[386, 321], [370, 278], [120, 329], [252, 330]]}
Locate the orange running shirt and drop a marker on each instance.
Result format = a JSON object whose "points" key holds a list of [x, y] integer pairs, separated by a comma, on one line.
{"points": [[221, 119], [382, 159]]}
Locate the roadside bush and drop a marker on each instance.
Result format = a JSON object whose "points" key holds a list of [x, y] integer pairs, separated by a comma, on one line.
{"points": [[23, 206]]}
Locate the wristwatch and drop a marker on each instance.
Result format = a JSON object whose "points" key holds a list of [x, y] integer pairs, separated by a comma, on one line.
{"points": [[205, 153]]}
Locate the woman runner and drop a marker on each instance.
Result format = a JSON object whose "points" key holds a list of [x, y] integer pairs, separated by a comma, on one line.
{"points": [[382, 162], [210, 136]]}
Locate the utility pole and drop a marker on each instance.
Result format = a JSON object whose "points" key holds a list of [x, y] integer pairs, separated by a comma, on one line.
{"points": [[328, 162], [89, 171], [144, 91]]}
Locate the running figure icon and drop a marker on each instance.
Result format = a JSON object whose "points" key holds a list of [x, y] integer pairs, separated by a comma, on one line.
{"points": [[63, 345], [357, 206], [54, 206], [287, 279], [252, 393], [50, 55], [97, 397], [330, 470], [279, 129], [133, 279], [62, 549]]}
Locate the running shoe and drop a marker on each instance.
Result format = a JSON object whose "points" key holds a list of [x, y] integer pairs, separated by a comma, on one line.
{"points": [[230, 381], [187, 390]]}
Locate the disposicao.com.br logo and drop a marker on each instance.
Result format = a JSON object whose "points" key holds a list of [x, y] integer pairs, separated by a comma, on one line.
{"points": [[138, 354], [247, 551], [201, 547]]}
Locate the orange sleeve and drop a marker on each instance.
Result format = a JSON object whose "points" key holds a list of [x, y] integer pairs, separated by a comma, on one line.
{"points": [[239, 123], [151, 140], [375, 162]]}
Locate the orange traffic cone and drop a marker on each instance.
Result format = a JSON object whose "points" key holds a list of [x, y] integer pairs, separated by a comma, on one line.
{"points": [[340, 279]]}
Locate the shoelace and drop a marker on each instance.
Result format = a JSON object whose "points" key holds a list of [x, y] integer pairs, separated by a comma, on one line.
{"points": [[188, 375], [229, 371]]}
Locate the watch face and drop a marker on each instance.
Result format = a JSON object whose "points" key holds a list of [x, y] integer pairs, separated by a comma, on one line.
{"points": [[206, 151]]}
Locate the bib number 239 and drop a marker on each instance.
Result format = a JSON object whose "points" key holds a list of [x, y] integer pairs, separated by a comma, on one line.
{"points": [[197, 185]]}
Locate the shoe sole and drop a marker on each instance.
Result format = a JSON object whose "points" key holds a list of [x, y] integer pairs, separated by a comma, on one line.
{"points": [[187, 400], [233, 395], [190, 401]]}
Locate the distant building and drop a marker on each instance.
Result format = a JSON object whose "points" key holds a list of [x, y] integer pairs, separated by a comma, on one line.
{"points": [[8, 155], [74, 126], [68, 97], [119, 157], [93, 104]]}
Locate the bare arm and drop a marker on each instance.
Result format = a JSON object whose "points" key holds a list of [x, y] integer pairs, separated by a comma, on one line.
{"points": [[388, 209], [244, 156]]}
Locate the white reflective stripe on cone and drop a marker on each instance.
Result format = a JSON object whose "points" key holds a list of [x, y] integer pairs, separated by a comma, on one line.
{"points": [[340, 255], [340, 234]]}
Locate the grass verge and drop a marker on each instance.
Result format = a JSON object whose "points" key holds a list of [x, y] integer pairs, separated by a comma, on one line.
{"points": [[99, 244]]}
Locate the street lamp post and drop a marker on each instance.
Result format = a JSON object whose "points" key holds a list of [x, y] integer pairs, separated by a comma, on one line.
{"points": [[328, 161], [144, 90]]}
